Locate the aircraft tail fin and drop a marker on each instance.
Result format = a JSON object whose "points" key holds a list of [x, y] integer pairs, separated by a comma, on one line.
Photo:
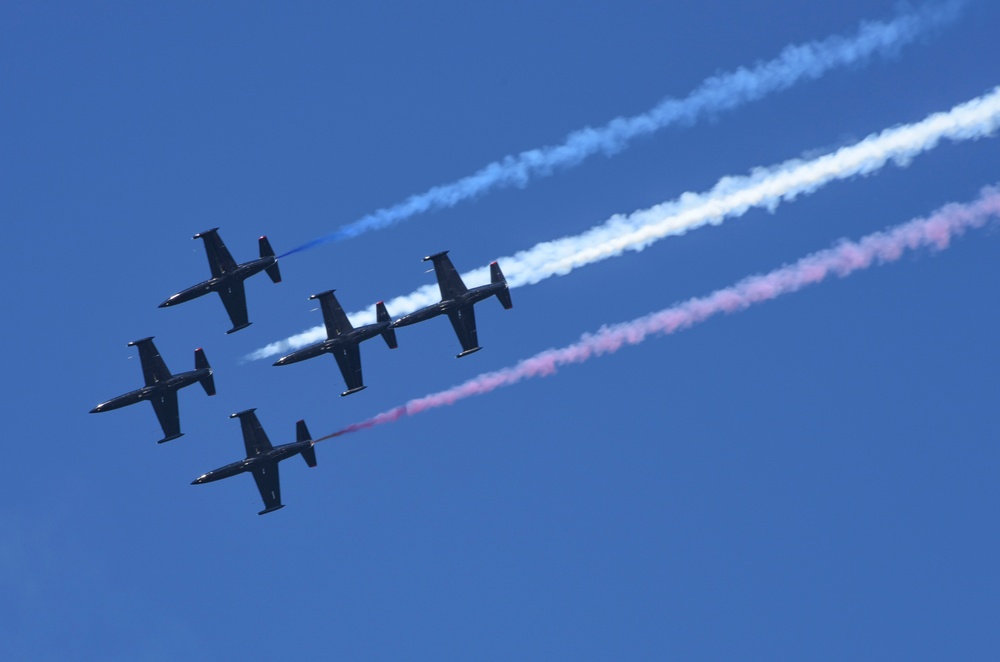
{"points": [[201, 363], [382, 315], [302, 434], [496, 276], [267, 251]]}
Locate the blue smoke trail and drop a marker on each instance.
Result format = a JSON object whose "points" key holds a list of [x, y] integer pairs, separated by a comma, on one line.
{"points": [[719, 93]]}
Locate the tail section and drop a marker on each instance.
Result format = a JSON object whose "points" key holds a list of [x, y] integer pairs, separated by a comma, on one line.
{"points": [[201, 363], [267, 251], [496, 276], [382, 315], [302, 434]]}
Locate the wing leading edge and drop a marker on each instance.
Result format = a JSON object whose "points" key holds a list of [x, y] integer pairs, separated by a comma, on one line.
{"points": [[219, 259], [269, 486], [154, 369], [463, 320], [449, 282], [349, 361], [168, 413], [234, 298], [254, 437], [334, 316]]}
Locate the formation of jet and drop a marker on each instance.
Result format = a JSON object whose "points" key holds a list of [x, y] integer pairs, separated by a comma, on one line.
{"points": [[227, 277], [343, 340], [457, 301], [161, 387], [262, 459]]}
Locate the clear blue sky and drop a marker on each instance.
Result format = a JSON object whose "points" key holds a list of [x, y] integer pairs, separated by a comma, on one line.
{"points": [[814, 478]]}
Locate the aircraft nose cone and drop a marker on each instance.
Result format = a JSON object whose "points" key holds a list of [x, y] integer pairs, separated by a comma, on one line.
{"points": [[280, 361], [96, 410], [170, 300]]}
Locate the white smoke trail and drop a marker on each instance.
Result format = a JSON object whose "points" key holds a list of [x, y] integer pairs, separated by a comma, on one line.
{"points": [[719, 93], [935, 232], [731, 197]]}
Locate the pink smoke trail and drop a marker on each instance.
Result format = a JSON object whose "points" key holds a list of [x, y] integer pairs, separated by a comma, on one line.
{"points": [[935, 231]]}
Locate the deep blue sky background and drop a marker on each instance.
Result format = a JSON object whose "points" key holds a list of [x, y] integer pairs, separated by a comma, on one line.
{"points": [[811, 479]]}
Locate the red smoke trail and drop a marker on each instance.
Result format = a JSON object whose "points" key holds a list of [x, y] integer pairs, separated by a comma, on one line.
{"points": [[935, 231]]}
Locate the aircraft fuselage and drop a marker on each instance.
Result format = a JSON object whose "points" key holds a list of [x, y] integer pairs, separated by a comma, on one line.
{"points": [[241, 273], [354, 337], [268, 459], [175, 382], [473, 296]]}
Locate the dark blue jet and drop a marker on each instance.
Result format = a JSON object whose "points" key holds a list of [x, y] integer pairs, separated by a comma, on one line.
{"points": [[227, 277], [262, 459], [457, 301], [343, 340], [161, 387]]}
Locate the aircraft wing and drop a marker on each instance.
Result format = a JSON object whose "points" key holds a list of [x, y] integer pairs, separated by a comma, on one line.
{"points": [[153, 368], [449, 281], [167, 411], [254, 438], [463, 320], [219, 259], [333, 315], [266, 478], [234, 298], [349, 360]]}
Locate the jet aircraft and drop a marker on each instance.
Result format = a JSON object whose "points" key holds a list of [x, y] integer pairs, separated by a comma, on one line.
{"points": [[227, 277], [263, 458], [457, 301], [161, 387], [343, 340]]}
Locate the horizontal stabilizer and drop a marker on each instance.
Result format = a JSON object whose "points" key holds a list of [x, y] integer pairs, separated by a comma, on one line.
{"points": [[353, 390], [467, 352], [239, 327], [267, 251], [382, 315], [171, 438], [496, 276], [302, 434], [309, 455], [201, 363], [265, 247]]}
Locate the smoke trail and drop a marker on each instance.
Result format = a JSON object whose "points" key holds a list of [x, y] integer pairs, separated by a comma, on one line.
{"points": [[845, 258], [730, 197], [719, 93]]}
